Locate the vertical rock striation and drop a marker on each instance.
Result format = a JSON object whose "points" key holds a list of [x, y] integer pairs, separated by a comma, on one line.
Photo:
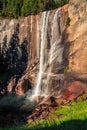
{"points": [[44, 46], [25, 37]]}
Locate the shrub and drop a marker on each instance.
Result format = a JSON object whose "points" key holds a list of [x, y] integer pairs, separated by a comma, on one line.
{"points": [[68, 21], [66, 69]]}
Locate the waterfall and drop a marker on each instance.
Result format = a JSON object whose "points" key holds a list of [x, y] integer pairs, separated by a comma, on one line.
{"points": [[55, 52], [38, 84], [52, 48]]}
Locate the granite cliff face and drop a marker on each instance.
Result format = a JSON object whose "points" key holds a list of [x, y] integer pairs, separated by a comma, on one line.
{"points": [[77, 39], [34, 44], [45, 50]]}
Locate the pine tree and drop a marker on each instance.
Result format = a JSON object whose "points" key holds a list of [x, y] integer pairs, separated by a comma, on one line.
{"points": [[15, 8], [26, 8]]}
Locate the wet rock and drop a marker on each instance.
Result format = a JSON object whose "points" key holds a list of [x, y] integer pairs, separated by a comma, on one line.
{"points": [[2, 92], [23, 42], [11, 85], [56, 84], [43, 109], [22, 87], [38, 99]]}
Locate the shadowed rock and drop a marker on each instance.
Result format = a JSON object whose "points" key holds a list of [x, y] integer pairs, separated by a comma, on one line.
{"points": [[22, 87]]}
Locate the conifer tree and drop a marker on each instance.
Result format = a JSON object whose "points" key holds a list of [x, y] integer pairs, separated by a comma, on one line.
{"points": [[15, 8]]}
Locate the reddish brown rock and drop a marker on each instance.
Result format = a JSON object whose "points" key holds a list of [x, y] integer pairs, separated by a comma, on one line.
{"points": [[77, 87], [22, 87], [73, 90], [42, 110]]}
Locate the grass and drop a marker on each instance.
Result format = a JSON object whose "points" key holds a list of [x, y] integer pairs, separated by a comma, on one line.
{"points": [[72, 116], [69, 117]]}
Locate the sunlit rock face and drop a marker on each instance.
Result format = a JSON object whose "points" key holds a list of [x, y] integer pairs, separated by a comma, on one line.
{"points": [[36, 42], [44, 49], [77, 39]]}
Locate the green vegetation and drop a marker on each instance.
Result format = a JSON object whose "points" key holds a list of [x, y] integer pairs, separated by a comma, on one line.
{"points": [[72, 116], [68, 21], [15, 8], [69, 117], [66, 69]]}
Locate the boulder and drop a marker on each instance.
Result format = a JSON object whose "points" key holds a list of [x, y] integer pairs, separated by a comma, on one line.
{"points": [[42, 110]]}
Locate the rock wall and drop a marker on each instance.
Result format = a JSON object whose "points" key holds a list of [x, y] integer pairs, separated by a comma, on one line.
{"points": [[64, 51], [77, 40], [28, 31]]}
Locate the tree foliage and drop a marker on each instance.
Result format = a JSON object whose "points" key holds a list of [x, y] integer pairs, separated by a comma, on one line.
{"points": [[16, 8]]}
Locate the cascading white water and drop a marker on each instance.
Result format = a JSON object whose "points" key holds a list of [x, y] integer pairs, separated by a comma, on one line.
{"points": [[56, 39], [38, 84], [52, 49], [55, 52], [44, 93]]}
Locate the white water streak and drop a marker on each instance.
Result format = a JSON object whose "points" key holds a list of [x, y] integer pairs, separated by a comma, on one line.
{"points": [[52, 50], [38, 85], [55, 51], [45, 93], [53, 36]]}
